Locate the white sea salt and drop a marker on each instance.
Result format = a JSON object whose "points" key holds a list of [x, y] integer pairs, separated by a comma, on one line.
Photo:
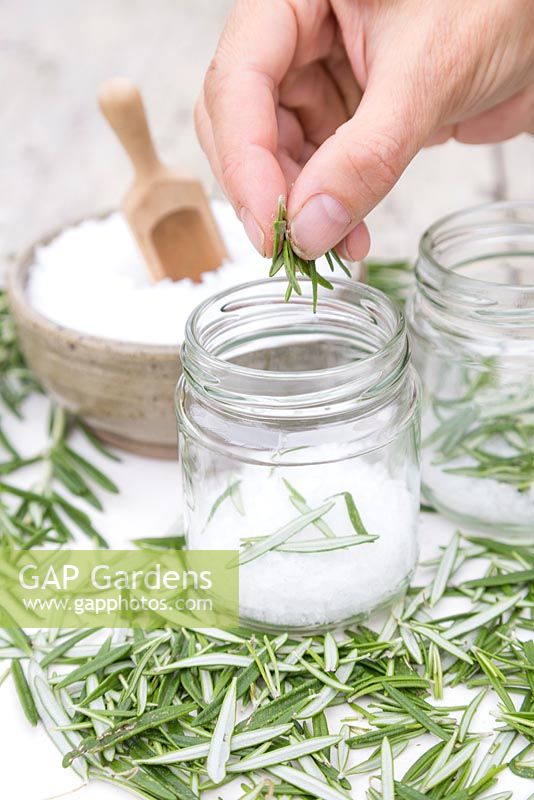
{"points": [[308, 590], [493, 502], [92, 278]]}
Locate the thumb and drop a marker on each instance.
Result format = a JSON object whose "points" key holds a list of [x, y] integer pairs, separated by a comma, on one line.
{"points": [[355, 168]]}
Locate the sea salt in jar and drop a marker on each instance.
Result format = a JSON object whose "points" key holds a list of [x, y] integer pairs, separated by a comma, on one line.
{"points": [[299, 445], [472, 319]]}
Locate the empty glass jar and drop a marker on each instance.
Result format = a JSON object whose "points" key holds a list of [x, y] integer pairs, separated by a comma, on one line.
{"points": [[472, 320], [299, 445]]}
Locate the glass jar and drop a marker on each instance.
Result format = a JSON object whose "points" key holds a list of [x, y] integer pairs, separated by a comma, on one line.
{"points": [[472, 323], [299, 446]]}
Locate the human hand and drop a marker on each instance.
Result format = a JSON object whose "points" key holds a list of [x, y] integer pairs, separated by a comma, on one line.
{"points": [[327, 102]]}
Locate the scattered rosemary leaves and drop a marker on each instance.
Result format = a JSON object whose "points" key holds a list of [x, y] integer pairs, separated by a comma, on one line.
{"points": [[156, 712], [44, 513]]}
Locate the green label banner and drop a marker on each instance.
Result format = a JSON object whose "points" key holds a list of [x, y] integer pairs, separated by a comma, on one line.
{"points": [[118, 588]]}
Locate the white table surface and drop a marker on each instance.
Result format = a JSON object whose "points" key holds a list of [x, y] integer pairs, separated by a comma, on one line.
{"points": [[149, 504]]}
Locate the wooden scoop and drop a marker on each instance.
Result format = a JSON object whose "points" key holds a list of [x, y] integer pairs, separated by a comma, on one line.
{"points": [[168, 212]]}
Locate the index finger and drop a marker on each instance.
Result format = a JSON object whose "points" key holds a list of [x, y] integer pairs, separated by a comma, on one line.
{"points": [[240, 91]]}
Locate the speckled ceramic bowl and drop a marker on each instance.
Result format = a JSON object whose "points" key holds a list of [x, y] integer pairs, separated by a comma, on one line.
{"points": [[123, 391]]}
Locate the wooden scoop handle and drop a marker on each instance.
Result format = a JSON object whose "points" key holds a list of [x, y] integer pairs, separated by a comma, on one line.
{"points": [[121, 104]]}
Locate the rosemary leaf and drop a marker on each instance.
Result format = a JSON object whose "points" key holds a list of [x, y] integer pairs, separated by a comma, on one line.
{"points": [[411, 644], [327, 694], [220, 500], [219, 749], [469, 713], [331, 653], [282, 755], [94, 665], [386, 770], [151, 719], [428, 632], [523, 763], [252, 793], [445, 569], [462, 756], [324, 545], [308, 784], [288, 705], [373, 763], [417, 713], [24, 693], [53, 716], [301, 505], [507, 579], [325, 677], [282, 535], [476, 621], [495, 677], [354, 514], [63, 647], [208, 660]]}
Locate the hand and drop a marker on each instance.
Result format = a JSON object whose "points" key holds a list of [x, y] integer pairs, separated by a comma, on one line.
{"points": [[328, 101]]}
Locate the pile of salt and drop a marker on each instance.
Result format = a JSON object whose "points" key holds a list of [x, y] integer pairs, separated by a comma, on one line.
{"points": [[323, 589], [92, 278]]}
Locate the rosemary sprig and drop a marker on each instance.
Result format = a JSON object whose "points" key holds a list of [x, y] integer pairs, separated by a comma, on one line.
{"points": [[284, 257]]}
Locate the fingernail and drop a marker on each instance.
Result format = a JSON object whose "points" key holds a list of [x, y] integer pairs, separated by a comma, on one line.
{"points": [[318, 226], [355, 245], [253, 230], [342, 251]]}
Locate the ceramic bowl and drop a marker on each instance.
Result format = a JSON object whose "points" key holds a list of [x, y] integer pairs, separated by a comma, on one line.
{"points": [[123, 391]]}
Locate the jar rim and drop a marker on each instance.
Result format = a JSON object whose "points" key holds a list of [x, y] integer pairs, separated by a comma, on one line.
{"points": [[500, 213], [366, 374], [341, 283]]}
